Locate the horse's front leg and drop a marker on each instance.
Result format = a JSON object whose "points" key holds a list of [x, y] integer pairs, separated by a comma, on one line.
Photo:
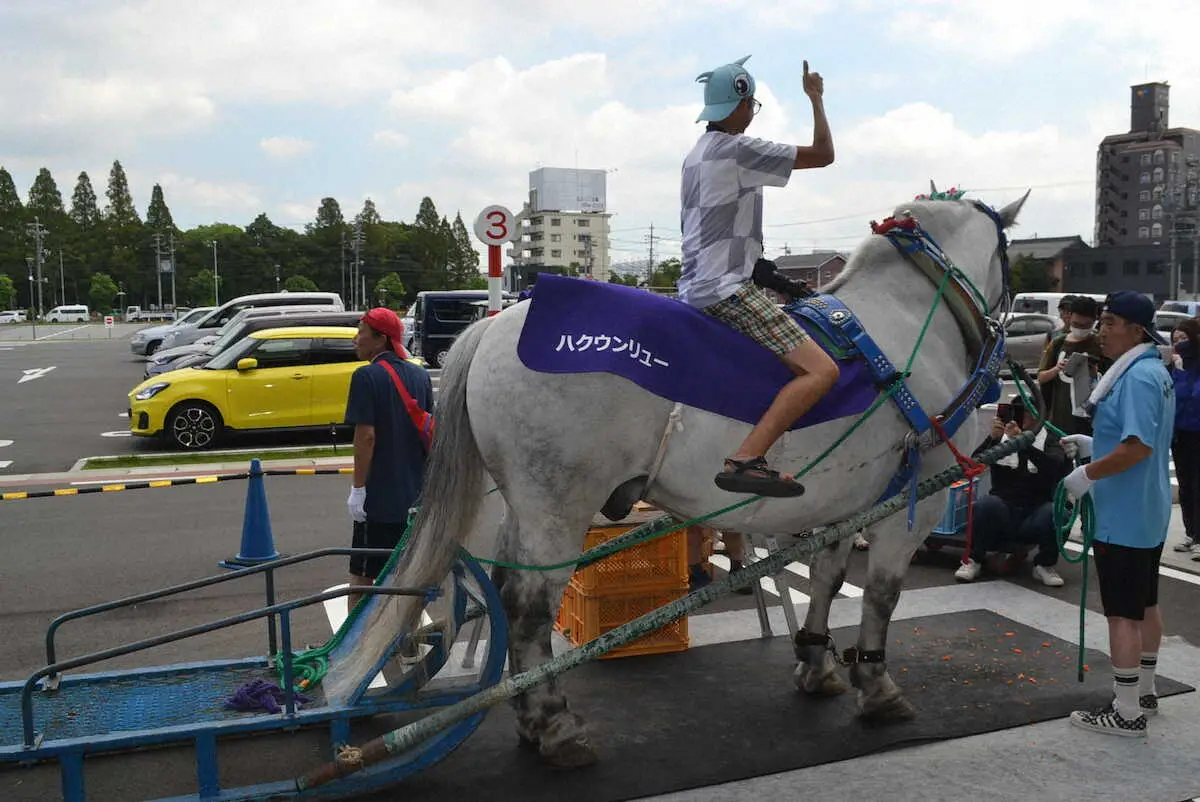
{"points": [[892, 548], [817, 671]]}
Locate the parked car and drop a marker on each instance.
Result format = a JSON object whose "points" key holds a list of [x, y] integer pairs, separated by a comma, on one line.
{"points": [[438, 317], [293, 378], [191, 356], [219, 317], [17, 315], [1187, 308], [10, 317], [1025, 337], [71, 313], [146, 342]]}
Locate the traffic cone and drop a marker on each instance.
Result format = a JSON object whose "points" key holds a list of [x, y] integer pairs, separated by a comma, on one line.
{"points": [[258, 544]]}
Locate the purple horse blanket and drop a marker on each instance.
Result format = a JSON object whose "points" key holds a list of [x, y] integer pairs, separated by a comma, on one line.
{"points": [[669, 349]]}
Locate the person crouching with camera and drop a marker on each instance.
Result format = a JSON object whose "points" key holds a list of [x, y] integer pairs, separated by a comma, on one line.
{"points": [[1020, 507]]}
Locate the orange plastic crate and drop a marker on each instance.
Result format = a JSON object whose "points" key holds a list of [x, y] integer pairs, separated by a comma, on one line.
{"points": [[586, 616], [659, 563]]}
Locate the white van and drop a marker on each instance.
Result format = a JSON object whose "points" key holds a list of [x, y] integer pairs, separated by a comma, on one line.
{"points": [[74, 313], [1189, 308], [220, 316], [1046, 303]]}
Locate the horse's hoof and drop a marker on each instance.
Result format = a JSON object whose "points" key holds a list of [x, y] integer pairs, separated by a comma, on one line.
{"points": [[825, 685], [893, 710], [572, 754]]}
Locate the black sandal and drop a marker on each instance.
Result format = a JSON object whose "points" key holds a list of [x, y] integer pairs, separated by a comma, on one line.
{"points": [[753, 476]]}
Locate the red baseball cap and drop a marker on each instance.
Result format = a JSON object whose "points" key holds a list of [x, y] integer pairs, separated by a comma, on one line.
{"points": [[387, 323]]}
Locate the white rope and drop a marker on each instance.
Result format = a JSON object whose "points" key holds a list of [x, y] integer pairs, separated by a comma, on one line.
{"points": [[674, 423]]}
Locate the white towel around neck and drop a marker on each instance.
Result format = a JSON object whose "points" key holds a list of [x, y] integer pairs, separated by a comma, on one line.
{"points": [[1115, 372]]}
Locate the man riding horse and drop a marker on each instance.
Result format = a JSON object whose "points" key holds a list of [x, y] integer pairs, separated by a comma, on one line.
{"points": [[723, 178]]}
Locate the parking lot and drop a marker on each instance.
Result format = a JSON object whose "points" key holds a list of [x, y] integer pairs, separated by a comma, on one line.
{"points": [[64, 398]]}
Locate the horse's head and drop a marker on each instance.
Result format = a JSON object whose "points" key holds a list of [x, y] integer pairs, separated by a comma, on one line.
{"points": [[972, 234]]}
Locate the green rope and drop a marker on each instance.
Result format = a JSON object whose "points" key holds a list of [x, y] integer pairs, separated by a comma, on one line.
{"points": [[1065, 517]]}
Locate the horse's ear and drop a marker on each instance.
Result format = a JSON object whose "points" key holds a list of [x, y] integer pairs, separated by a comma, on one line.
{"points": [[1008, 215], [932, 188]]}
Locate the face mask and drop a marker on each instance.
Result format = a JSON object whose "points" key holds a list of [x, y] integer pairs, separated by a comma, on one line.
{"points": [[1080, 332], [1184, 349]]}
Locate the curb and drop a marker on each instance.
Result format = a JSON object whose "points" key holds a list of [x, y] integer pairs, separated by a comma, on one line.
{"points": [[230, 452], [99, 476]]}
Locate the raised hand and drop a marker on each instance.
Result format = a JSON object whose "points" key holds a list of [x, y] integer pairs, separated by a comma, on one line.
{"points": [[814, 84]]}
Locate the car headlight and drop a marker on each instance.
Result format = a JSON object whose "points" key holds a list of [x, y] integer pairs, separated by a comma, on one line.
{"points": [[151, 391]]}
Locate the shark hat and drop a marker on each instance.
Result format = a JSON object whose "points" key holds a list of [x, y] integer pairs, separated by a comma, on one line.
{"points": [[724, 88]]}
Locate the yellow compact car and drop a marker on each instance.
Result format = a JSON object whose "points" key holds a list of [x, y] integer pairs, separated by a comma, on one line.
{"points": [[287, 378]]}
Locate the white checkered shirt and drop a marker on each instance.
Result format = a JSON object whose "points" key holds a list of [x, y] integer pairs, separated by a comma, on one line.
{"points": [[721, 214]]}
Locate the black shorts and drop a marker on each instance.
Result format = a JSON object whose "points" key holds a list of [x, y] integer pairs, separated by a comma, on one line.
{"points": [[373, 535], [1128, 579]]}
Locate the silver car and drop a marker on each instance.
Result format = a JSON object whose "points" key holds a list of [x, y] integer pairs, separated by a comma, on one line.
{"points": [[1025, 337], [145, 342]]}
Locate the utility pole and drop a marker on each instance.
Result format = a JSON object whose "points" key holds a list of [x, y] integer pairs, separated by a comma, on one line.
{"points": [[276, 278], [173, 271], [61, 284], [343, 252], [358, 243], [39, 232], [158, 266], [216, 281], [650, 238]]}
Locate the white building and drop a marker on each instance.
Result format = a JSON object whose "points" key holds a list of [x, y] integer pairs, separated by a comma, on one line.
{"points": [[564, 226]]}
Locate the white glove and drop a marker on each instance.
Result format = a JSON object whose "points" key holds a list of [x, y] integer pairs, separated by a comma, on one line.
{"points": [[1079, 444], [357, 504], [1078, 483]]}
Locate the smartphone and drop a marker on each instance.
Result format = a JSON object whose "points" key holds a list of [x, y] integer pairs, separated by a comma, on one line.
{"points": [[1004, 412]]}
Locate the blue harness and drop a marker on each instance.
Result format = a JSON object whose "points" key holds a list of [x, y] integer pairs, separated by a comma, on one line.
{"points": [[842, 331]]}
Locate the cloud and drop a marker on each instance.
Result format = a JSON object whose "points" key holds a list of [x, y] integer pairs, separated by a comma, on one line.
{"points": [[285, 147], [390, 139]]}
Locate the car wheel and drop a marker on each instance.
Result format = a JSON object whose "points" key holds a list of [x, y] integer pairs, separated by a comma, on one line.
{"points": [[439, 358], [194, 426], [153, 346]]}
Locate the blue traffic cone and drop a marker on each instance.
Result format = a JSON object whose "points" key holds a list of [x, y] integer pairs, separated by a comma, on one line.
{"points": [[258, 544]]}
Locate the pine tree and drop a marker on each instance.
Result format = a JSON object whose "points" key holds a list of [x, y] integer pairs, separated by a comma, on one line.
{"points": [[466, 258], [120, 211], [44, 198], [84, 211], [10, 201], [427, 216], [329, 215], [369, 216], [158, 216]]}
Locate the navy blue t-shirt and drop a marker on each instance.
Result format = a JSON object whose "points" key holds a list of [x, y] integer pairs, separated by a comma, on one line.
{"points": [[398, 464]]}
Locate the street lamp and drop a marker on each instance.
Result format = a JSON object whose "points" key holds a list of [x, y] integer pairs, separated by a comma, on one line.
{"points": [[216, 278], [276, 278], [32, 311]]}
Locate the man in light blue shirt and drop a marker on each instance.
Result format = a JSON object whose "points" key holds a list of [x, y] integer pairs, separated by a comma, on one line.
{"points": [[1133, 418]]}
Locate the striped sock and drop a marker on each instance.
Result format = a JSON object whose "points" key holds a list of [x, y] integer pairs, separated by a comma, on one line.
{"points": [[1146, 674], [1125, 687]]}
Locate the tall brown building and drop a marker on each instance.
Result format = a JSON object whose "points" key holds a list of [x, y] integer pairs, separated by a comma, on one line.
{"points": [[1147, 180]]}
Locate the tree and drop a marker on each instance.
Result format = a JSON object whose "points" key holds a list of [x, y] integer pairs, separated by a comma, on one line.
{"points": [[200, 288], [628, 279], [10, 201], [465, 259], [369, 216], [102, 291], [300, 284], [666, 275], [329, 216], [158, 216], [119, 212], [84, 211], [1030, 275], [8, 291], [44, 198], [427, 216], [389, 291]]}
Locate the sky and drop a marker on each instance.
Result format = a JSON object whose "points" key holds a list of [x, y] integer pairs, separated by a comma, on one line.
{"points": [[238, 108]]}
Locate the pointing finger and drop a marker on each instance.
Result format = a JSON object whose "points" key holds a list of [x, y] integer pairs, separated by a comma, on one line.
{"points": [[806, 66]]}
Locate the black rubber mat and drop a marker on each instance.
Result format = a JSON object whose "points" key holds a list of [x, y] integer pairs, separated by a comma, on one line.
{"points": [[716, 714]]}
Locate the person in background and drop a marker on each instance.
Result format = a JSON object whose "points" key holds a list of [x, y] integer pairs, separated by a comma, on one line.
{"points": [[1064, 317], [1185, 447], [389, 458], [1020, 507], [1063, 359], [1133, 413]]}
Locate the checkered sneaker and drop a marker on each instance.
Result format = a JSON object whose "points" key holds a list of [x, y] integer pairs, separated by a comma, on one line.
{"points": [[1110, 722], [751, 311], [1149, 704]]}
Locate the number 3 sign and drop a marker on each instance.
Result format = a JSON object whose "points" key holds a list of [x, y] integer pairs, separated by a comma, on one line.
{"points": [[494, 226]]}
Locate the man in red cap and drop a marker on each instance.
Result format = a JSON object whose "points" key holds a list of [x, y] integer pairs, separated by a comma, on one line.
{"points": [[389, 458]]}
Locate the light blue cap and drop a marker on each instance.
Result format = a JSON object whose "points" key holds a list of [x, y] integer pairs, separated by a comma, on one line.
{"points": [[724, 88]]}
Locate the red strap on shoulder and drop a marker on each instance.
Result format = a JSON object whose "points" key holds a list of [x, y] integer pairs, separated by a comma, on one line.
{"points": [[415, 413]]}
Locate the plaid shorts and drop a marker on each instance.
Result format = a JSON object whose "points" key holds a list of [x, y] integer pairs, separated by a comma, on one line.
{"points": [[752, 312]]}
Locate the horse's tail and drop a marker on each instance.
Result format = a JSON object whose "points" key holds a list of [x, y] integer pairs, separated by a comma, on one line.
{"points": [[454, 474]]}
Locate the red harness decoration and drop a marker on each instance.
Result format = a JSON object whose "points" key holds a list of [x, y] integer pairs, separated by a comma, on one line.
{"points": [[906, 223], [971, 469]]}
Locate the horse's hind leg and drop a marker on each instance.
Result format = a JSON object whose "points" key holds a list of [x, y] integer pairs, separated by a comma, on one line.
{"points": [[817, 672], [879, 698], [531, 601]]}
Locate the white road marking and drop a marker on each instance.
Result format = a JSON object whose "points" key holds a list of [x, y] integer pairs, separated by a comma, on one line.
{"points": [[801, 570], [4, 463], [117, 434], [122, 414], [5, 443], [34, 373], [767, 584], [60, 333], [1163, 570], [336, 611]]}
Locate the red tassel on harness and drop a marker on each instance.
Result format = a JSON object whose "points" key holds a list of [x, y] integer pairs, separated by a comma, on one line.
{"points": [[907, 224], [971, 469]]}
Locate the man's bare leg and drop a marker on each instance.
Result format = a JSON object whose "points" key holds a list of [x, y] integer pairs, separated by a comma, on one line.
{"points": [[816, 374]]}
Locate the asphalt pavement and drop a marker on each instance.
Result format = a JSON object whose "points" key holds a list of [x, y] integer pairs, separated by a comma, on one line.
{"points": [[64, 397]]}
